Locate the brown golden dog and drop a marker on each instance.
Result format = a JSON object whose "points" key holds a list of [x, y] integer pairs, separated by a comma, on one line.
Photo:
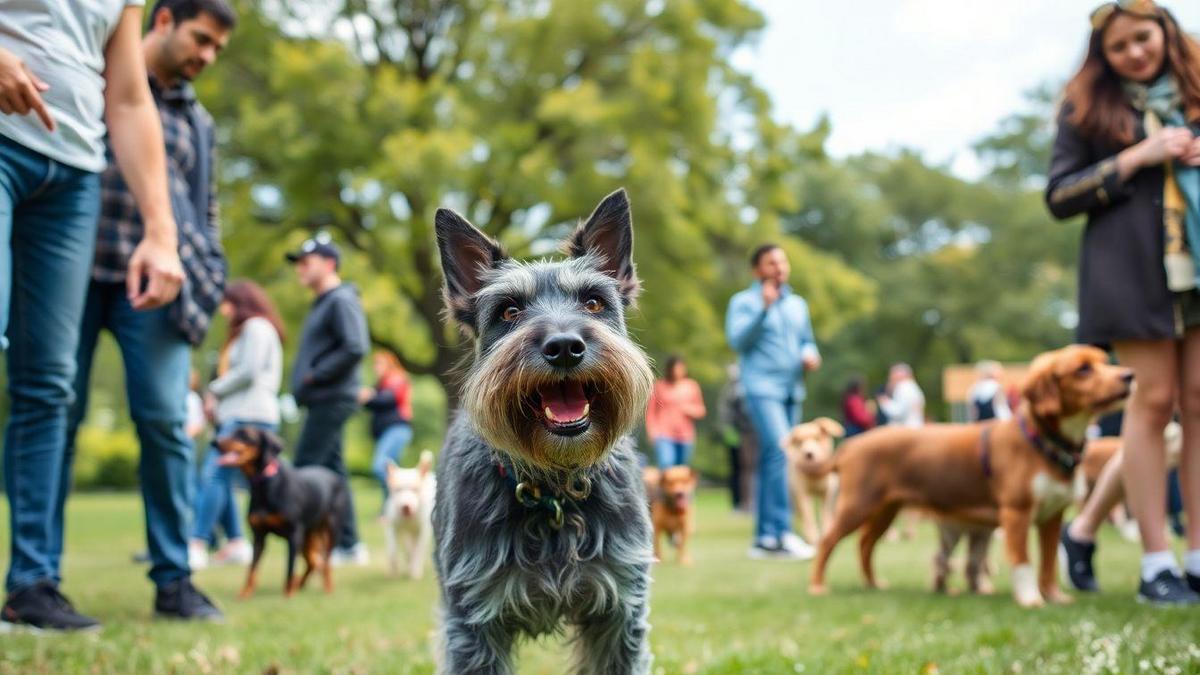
{"points": [[804, 445], [671, 507], [1015, 473]]}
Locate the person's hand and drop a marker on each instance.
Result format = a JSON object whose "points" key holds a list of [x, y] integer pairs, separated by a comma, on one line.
{"points": [[812, 362], [365, 394], [1164, 144], [21, 90], [210, 406], [155, 262], [770, 292], [1192, 156]]}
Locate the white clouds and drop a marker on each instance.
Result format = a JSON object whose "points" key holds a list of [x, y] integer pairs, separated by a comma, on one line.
{"points": [[930, 74]]}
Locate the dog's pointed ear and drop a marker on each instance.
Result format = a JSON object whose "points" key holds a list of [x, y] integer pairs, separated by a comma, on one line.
{"points": [[467, 255], [1041, 389], [831, 427], [608, 235], [425, 463]]}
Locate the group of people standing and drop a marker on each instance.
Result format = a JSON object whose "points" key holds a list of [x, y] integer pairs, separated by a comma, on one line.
{"points": [[108, 211]]}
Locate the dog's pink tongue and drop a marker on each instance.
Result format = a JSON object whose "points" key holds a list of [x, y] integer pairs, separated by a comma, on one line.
{"points": [[565, 400]]}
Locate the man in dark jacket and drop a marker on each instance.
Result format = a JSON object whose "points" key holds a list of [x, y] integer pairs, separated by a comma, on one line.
{"points": [[325, 376]]}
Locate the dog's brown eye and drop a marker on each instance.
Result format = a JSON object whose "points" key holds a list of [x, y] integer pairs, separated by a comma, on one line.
{"points": [[511, 313], [594, 305], [1083, 370]]}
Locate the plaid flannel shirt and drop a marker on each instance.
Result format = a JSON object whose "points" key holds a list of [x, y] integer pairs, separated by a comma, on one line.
{"points": [[120, 227]]}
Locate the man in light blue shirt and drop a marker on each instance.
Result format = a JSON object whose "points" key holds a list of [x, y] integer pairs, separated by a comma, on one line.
{"points": [[770, 329]]}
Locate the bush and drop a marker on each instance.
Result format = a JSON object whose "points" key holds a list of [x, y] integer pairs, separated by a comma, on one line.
{"points": [[106, 459]]}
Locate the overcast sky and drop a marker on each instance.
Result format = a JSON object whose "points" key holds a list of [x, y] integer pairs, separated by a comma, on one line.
{"points": [[930, 74]]}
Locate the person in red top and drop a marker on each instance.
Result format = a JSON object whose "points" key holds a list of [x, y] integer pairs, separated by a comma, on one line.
{"points": [[675, 405], [855, 415], [390, 403]]}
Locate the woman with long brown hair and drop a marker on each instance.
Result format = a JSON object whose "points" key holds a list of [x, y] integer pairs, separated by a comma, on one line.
{"points": [[245, 393], [1128, 156]]}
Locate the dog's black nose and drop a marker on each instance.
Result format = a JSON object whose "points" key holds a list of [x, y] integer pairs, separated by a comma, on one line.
{"points": [[564, 350], [1128, 377]]}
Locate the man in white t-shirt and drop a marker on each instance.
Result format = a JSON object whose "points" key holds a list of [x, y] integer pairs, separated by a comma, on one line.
{"points": [[70, 71], [987, 400], [904, 404]]}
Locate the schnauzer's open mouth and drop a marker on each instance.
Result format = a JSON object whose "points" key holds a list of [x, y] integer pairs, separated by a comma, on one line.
{"points": [[564, 407]]}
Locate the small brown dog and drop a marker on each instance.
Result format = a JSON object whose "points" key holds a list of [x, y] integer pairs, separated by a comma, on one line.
{"points": [[671, 493], [1015, 473], [804, 445]]}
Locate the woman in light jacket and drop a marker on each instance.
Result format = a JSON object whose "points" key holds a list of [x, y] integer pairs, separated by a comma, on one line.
{"points": [[245, 393]]}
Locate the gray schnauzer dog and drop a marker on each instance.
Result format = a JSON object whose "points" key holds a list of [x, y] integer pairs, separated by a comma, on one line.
{"points": [[540, 513]]}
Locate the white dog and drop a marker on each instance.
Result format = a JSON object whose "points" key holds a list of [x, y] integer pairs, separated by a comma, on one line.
{"points": [[407, 514]]}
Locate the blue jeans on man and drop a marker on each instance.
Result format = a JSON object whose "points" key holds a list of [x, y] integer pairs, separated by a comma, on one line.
{"points": [[215, 503], [772, 419], [388, 448], [48, 214], [669, 452], [157, 365]]}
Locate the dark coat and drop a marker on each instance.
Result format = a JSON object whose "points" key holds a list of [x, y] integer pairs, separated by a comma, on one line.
{"points": [[332, 343], [1123, 292]]}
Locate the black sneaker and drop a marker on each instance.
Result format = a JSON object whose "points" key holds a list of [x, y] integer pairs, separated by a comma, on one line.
{"points": [[1077, 560], [1193, 582], [1166, 589], [41, 608], [181, 600]]}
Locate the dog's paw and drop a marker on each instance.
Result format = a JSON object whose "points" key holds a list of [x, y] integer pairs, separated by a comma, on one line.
{"points": [[1030, 600], [985, 588], [878, 585], [1055, 596], [818, 589], [686, 561]]}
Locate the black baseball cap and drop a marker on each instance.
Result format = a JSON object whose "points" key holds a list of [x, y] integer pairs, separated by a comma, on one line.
{"points": [[320, 245]]}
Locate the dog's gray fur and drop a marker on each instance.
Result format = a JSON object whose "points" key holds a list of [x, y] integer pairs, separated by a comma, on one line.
{"points": [[504, 571]]}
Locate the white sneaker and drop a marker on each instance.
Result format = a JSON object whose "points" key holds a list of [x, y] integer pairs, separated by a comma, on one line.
{"points": [[197, 557], [356, 555], [766, 548], [796, 547], [237, 552]]}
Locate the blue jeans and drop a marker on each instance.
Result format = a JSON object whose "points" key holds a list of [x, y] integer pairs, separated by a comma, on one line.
{"points": [[772, 420], [669, 452], [157, 363], [214, 489], [48, 214], [388, 448]]}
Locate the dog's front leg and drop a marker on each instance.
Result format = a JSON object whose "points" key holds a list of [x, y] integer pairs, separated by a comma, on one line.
{"points": [[290, 583], [979, 578], [1048, 533], [260, 543], [948, 536], [808, 516], [616, 643], [1015, 522], [420, 552], [484, 649], [389, 539]]}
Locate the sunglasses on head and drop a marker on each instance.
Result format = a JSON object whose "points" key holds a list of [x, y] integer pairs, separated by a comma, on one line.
{"points": [[1103, 13]]}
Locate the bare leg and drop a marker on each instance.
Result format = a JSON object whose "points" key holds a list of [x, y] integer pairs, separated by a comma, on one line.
{"points": [[1156, 367], [1189, 458], [1108, 493]]}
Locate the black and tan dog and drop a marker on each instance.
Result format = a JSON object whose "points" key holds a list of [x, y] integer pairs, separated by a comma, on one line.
{"points": [[305, 506]]}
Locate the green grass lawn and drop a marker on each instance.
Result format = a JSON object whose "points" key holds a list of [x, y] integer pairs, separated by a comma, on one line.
{"points": [[726, 614]]}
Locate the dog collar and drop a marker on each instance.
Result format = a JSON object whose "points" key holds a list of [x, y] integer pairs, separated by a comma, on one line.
{"points": [[269, 471], [531, 496], [1065, 454]]}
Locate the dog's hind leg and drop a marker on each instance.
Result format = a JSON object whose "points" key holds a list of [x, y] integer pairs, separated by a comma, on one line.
{"points": [[616, 642], [948, 537], [979, 577], [474, 648], [260, 543], [847, 518], [875, 528]]}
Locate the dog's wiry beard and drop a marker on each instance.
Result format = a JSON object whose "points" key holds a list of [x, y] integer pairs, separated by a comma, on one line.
{"points": [[496, 396]]}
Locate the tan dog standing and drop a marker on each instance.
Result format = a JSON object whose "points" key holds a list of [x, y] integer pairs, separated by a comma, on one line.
{"points": [[671, 508], [1014, 473], [806, 444]]}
